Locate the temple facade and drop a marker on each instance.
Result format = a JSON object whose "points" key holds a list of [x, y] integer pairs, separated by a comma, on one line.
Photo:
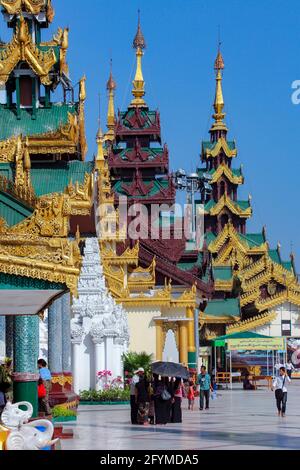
{"points": [[76, 287]]}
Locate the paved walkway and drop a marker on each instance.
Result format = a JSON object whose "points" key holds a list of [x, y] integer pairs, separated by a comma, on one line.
{"points": [[236, 420]]}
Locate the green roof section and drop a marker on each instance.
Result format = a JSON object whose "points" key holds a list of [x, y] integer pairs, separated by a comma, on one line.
{"points": [[275, 256], [209, 237], [223, 308], [12, 210], [207, 145], [244, 205], [155, 187], [187, 266], [148, 116], [12, 282], [243, 334], [6, 170], [288, 265], [153, 153], [47, 120], [253, 239], [235, 171], [209, 205], [55, 177], [222, 273]]}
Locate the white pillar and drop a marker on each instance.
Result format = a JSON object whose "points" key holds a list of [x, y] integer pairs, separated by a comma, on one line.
{"points": [[109, 350], [118, 363], [77, 334], [99, 359]]}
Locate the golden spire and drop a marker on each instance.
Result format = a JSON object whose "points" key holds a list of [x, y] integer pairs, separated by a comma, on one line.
{"points": [[111, 87], [100, 158], [139, 84], [219, 124]]}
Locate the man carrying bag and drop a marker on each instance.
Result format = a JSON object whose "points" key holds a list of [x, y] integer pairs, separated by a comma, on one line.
{"points": [[280, 385]]}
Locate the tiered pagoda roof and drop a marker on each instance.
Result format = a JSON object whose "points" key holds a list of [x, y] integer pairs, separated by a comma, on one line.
{"points": [[250, 278]]}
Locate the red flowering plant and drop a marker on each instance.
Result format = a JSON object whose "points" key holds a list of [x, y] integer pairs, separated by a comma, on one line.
{"points": [[107, 381]]}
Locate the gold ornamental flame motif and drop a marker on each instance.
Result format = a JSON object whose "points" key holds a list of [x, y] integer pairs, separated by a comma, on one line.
{"points": [[30, 6]]}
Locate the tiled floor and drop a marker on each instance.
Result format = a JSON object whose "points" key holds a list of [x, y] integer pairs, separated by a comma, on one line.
{"points": [[236, 420]]}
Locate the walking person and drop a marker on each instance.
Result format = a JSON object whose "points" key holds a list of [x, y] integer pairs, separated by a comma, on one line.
{"points": [[178, 393], [46, 377], [162, 400], [205, 387], [280, 385], [133, 406], [142, 399], [191, 395], [289, 368]]}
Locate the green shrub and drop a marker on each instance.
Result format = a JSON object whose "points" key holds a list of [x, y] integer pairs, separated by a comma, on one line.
{"points": [[132, 361], [61, 411], [111, 395]]}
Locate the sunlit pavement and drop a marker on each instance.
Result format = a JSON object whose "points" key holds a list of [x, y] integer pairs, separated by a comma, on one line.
{"points": [[236, 420]]}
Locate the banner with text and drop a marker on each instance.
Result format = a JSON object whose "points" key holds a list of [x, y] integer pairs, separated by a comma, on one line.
{"points": [[257, 344]]}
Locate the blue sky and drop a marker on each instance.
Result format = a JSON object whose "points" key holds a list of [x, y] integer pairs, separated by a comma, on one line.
{"points": [[261, 49]]}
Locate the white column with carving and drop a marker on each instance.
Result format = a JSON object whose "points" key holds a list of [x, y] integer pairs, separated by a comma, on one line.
{"points": [[103, 323]]}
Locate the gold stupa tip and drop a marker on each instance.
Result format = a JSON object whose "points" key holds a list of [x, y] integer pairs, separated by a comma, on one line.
{"points": [[111, 84], [139, 40], [219, 62]]}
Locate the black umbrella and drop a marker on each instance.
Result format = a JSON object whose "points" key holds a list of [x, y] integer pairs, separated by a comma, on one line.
{"points": [[170, 369]]}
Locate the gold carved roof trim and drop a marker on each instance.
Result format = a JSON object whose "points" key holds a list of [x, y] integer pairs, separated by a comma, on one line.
{"points": [[252, 323]]}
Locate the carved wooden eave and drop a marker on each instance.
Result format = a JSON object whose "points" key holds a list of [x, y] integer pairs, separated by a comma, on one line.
{"points": [[129, 257], [223, 170], [64, 140], [229, 233], [39, 248], [142, 278], [288, 295], [252, 323], [221, 145], [21, 48], [226, 202], [206, 319], [224, 286]]}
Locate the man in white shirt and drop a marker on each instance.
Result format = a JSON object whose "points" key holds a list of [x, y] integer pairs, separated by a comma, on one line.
{"points": [[289, 368], [134, 408], [280, 385]]}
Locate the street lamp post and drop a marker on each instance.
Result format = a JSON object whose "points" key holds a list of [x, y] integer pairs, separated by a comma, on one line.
{"points": [[191, 184]]}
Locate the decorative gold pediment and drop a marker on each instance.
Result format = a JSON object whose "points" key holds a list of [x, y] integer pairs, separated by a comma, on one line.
{"points": [[226, 201], [224, 170], [14, 7], [21, 48], [220, 145]]}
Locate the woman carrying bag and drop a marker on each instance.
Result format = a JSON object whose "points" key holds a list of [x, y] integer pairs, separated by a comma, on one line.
{"points": [[280, 385]]}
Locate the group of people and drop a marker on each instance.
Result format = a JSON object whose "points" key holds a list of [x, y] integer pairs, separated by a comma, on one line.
{"points": [[44, 385], [159, 400]]}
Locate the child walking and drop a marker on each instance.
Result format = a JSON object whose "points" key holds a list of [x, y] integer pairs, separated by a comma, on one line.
{"points": [[191, 395]]}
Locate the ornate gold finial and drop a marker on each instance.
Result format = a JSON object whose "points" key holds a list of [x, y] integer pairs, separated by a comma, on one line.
{"points": [[111, 87], [219, 104], [82, 89], [65, 39], [139, 84], [100, 159]]}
